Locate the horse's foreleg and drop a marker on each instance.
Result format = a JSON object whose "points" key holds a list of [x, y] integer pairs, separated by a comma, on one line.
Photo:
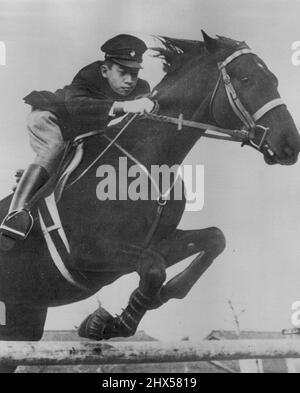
{"points": [[152, 273], [151, 294], [20, 323], [101, 325], [209, 243]]}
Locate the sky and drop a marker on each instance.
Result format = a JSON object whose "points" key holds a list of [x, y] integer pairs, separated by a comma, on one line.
{"points": [[256, 206]]}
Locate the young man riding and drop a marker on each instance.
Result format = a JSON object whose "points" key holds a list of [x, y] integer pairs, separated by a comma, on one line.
{"points": [[97, 94]]}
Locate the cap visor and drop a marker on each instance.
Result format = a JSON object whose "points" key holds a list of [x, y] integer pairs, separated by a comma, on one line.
{"points": [[127, 63]]}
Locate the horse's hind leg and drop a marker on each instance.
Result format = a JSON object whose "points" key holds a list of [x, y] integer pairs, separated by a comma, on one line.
{"points": [[207, 243], [20, 323]]}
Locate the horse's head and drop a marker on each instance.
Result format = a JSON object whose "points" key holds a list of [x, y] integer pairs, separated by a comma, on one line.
{"points": [[246, 95], [222, 82]]}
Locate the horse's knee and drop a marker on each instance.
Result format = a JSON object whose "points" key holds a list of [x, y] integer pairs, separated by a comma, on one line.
{"points": [[218, 241], [154, 277]]}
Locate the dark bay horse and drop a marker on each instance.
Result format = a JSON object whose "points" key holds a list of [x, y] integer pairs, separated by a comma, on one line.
{"points": [[217, 81]]}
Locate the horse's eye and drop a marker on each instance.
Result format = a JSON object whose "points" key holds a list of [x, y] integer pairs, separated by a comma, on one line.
{"points": [[245, 79]]}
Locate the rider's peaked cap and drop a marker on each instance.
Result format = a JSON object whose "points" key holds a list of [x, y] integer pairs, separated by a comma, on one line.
{"points": [[125, 50]]}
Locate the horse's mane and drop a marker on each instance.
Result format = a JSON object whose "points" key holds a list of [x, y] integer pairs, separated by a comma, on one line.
{"points": [[176, 52]]}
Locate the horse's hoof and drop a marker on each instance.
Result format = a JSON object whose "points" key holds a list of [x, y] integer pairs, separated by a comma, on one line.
{"points": [[93, 327], [101, 325], [118, 329], [6, 243]]}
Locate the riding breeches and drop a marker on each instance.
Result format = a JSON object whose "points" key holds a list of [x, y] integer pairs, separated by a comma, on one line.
{"points": [[46, 139]]}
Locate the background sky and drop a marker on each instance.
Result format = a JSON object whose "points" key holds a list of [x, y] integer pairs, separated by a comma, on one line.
{"points": [[256, 206]]}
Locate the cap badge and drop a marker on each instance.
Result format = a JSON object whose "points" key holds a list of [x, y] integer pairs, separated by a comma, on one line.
{"points": [[132, 53]]}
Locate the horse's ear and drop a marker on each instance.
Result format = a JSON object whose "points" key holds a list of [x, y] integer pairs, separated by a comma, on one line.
{"points": [[211, 44]]}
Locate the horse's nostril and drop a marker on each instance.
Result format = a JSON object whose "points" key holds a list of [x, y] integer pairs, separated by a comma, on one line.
{"points": [[288, 151]]}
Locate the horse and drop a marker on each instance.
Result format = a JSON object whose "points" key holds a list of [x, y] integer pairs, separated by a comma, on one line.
{"points": [[214, 83]]}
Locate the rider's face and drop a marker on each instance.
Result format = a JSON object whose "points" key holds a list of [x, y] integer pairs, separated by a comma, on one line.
{"points": [[122, 80]]}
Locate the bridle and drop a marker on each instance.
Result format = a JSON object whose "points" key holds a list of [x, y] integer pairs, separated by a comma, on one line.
{"points": [[249, 121], [251, 131]]}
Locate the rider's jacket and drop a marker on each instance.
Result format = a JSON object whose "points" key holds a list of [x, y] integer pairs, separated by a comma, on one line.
{"points": [[85, 104]]}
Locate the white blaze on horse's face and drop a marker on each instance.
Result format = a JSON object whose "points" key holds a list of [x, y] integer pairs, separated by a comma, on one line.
{"points": [[251, 84]]}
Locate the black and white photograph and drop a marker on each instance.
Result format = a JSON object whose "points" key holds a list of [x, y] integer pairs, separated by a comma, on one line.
{"points": [[149, 189]]}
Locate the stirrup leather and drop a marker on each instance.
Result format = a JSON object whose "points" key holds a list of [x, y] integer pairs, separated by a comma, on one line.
{"points": [[17, 224]]}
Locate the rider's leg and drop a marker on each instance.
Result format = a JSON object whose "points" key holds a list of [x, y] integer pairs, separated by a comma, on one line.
{"points": [[32, 179], [47, 142]]}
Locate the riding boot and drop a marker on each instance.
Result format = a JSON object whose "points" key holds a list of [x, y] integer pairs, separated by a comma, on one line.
{"points": [[19, 221]]}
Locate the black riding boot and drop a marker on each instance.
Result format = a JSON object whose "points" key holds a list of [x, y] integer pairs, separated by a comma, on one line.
{"points": [[19, 221]]}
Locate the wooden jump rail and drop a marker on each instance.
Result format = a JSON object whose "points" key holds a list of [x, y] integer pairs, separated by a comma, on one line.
{"points": [[72, 353]]}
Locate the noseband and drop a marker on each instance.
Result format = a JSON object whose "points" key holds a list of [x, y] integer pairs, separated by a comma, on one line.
{"points": [[255, 131]]}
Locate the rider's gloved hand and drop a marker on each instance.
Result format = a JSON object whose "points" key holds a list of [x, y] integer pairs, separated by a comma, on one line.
{"points": [[140, 105]]}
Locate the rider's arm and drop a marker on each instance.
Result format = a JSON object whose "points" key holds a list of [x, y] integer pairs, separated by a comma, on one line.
{"points": [[87, 113]]}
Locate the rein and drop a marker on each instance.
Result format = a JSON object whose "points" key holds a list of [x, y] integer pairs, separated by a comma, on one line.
{"points": [[233, 135]]}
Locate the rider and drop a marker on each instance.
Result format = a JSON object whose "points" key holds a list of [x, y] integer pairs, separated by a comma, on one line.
{"points": [[97, 94]]}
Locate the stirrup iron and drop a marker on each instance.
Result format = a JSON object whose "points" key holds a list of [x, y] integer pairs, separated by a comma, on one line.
{"points": [[13, 231]]}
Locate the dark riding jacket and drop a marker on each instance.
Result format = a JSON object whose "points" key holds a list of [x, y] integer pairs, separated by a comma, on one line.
{"points": [[84, 105]]}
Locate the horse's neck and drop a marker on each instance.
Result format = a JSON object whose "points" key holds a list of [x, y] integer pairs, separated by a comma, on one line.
{"points": [[192, 102], [161, 143], [179, 143]]}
